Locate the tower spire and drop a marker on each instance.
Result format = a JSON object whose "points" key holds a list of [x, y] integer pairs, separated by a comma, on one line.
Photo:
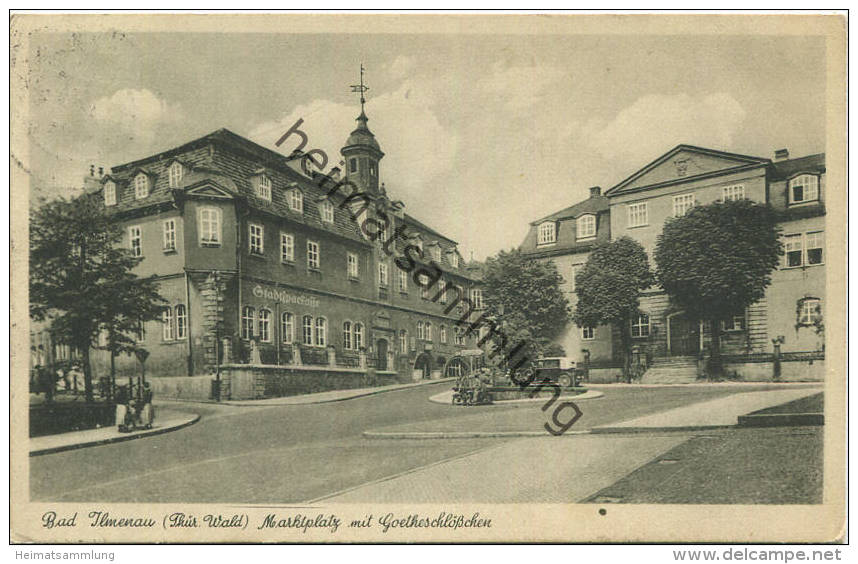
{"points": [[361, 88]]}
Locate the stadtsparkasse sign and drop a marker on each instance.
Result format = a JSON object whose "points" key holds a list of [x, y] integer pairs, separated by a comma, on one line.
{"points": [[284, 297]]}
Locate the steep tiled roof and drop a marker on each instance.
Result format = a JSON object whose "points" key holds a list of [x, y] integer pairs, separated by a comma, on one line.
{"points": [[593, 204]]}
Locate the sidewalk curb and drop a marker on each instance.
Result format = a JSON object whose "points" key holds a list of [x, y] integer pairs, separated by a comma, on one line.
{"points": [[782, 420], [727, 384], [116, 439], [272, 403], [463, 434], [633, 430]]}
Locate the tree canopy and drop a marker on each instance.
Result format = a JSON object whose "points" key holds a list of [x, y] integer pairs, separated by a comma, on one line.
{"points": [[609, 286], [717, 260], [81, 280], [524, 295]]}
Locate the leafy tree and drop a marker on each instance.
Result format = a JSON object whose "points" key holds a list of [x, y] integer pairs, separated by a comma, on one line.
{"points": [[608, 288], [524, 296], [716, 260], [81, 280]]}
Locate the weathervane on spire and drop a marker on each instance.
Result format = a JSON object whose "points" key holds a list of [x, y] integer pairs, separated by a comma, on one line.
{"points": [[360, 88]]}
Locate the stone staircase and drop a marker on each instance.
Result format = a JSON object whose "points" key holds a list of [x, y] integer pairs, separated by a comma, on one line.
{"points": [[671, 370]]}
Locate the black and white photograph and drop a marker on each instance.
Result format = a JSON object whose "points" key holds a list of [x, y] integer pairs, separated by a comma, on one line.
{"points": [[416, 278]]}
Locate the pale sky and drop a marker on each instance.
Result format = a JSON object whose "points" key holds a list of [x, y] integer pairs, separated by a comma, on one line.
{"points": [[482, 133]]}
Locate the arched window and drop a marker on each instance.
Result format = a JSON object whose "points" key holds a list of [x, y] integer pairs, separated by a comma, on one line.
{"points": [[804, 188], [428, 330], [421, 331], [141, 186], [321, 331], [167, 318], [181, 322], [248, 316], [586, 226], [403, 341], [358, 336], [287, 327], [265, 325], [347, 335], [307, 329]]}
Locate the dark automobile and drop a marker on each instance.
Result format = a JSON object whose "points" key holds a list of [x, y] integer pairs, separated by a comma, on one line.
{"points": [[558, 370]]}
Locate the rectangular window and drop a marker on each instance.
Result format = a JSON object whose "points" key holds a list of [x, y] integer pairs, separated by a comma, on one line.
{"points": [[264, 325], [793, 249], [353, 165], [436, 253], [265, 187], [352, 264], [175, 175], [815, 242], [296, 200], [327, 212], [307, 330], [576, 268], [403, 281], [170, 235], [287, 247], [181, 321], [209, 226], [248, 319], [424, 286], [733, 193], [638, 215], [167, 319], [682, 203], [286, 327], [640, 326], [257, 238], [135, 238], [382, 274], [477, 298], [403, 342], [313, 255], [547, 234], [443, 333], [735, 323], [809, 311], [321, 331], [454, 260], [588, 333], [110, 194]]}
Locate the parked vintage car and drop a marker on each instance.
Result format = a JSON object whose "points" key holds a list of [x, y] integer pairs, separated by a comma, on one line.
{"points": [[561, 370]]}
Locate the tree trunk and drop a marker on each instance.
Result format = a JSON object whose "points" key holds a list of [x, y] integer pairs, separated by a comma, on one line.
{"points": [[626, 343], [87, 373], [111, 380], [716, 369]]}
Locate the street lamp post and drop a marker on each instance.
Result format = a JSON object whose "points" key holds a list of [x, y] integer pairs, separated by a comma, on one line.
{"points": [[217, 335]]}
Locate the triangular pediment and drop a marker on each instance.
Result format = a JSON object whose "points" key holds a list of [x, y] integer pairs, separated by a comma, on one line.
{"points": [[209, 190], [685, 162]]}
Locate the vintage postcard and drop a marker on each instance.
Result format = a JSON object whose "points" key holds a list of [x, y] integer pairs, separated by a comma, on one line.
{"points": [[404, 278]]}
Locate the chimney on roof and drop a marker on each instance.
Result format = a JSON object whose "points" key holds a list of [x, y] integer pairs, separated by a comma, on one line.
{"points": [[781, 154], [100, 171], [92, 170], [595, 191]]}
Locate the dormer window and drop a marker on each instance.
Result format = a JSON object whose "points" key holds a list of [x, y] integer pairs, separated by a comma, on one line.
{"points": [[141, 186], [454, 259], [296, 200], [436, 253], [327, 211], [263, 187], [110, 193], [176, 171], [418, 242], [547, 234], [804, 188], [586, 225]]}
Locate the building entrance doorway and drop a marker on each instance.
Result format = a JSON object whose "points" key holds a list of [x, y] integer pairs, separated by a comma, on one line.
{"points": [[381, 351], [683, 335], [423, 366]]}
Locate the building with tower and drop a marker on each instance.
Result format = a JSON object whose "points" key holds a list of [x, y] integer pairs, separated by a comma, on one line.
{"points": [[318, 279]]}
